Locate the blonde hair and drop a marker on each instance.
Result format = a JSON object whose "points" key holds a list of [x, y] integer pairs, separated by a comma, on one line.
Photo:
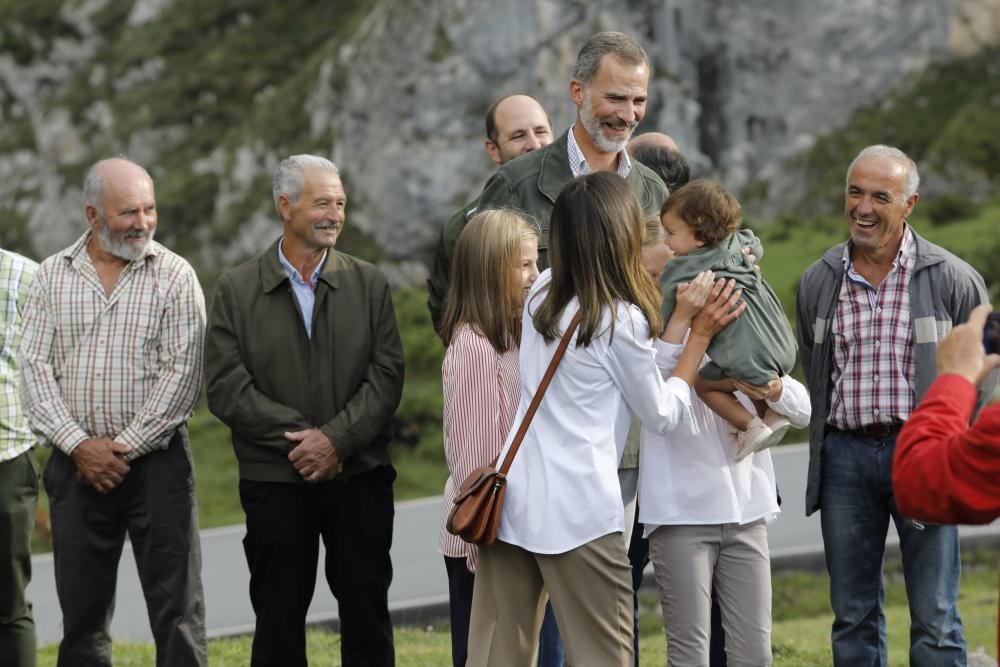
{"points": [[654, 233], [595, 241], [484, 291]]}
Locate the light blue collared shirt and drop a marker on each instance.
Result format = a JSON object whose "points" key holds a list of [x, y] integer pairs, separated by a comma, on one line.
{"points": [[305, 293]]}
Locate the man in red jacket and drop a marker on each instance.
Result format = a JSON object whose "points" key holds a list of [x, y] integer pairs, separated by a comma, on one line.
{"points": [[944, 470]]}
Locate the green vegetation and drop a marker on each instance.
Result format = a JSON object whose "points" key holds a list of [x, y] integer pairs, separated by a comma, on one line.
{"points": [[801, 636], [947, 118]]}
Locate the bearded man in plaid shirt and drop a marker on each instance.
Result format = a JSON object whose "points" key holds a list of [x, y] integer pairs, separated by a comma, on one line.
{"points": [[111, 356], [869, 316]]}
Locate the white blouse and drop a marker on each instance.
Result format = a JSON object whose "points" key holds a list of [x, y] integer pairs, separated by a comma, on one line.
{"points": [[562, 489], [689, 476]]}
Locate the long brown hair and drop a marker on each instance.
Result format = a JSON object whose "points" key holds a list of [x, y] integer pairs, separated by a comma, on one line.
{"points": [[595, 241], [485, 289]]}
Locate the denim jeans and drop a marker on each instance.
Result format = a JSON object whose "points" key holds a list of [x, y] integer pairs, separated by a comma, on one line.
{"points": [[550, 648], [856, 502]]}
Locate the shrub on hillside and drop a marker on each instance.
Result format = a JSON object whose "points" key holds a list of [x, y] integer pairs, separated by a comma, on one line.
{"points": [[947, 208]]}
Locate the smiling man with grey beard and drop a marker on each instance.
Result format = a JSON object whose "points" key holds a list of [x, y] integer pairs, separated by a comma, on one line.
{"points": [[609, 90], [111, 360]]}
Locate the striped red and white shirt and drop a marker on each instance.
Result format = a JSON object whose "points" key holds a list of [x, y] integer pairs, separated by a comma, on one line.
{"points": [[125, 366], [481, 393], [873, 346]]}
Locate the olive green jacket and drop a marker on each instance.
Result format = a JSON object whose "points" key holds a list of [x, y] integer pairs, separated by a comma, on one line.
{"points": [[266, 377], [529, 184], [440, 276]]}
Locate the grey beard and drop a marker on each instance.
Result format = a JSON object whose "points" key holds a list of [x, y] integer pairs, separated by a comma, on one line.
{"points": [[593, 126], [118, 245]]}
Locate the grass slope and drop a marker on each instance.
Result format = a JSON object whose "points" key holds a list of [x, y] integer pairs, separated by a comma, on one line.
{"points": [[801, 635]]}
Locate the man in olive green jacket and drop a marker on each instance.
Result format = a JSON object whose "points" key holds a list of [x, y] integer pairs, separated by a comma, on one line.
{"points": [[609, 90], [304, 363]]}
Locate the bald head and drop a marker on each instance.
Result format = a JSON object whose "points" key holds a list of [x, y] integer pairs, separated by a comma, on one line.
{"points": [[515, 125], [115, 170], [661, 154], [652, 140]]}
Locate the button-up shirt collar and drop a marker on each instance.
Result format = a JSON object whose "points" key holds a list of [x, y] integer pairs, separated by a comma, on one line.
{"points": [[305, 293], [578, 163]]}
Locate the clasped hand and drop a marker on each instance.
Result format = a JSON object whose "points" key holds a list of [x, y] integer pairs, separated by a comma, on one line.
{"points": [[100, 463], [314, 457]]}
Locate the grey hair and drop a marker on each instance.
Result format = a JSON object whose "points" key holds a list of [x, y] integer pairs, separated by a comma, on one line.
{"points": [[599, 45], [290, 173], [94, 184], [912, 181]]}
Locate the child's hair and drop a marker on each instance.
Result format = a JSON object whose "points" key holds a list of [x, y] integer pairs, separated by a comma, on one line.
{"points": [[595, 241], [654, 232], [707, 208], [484, 290]]}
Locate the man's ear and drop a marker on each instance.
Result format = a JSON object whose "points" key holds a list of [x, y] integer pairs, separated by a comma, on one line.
{"points": [[911, 203], [493, 150], [576, 92], [283, 206], [92, 217]]}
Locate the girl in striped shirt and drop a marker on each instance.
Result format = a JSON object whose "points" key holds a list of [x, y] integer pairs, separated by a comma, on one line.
{"points": [[494, 266]]}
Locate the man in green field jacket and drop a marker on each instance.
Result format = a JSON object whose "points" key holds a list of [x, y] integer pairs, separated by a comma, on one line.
{"points": [[304, 363], [609, 90]]}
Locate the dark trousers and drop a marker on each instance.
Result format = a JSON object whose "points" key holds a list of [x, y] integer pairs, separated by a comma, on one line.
{"points": [[18, 496], [156, 505], [284, 525], [461, 583]]}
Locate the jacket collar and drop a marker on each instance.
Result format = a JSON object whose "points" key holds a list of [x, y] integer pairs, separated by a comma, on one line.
{"points": [[926, 253], [554, 171], [272, 274]]}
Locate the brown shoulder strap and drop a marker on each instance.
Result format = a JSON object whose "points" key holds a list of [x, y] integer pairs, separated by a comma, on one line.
{"points": [[542, 386]]}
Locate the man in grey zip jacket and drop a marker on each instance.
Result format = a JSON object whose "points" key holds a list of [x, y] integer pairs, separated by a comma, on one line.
{"points": [[869, 316]]}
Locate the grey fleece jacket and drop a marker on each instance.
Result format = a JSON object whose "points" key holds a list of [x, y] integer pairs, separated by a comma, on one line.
{"points": [[943, 290]]}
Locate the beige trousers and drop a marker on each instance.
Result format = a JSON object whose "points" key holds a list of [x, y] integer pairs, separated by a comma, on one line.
{"points": [[688, 561], [591, 593]]}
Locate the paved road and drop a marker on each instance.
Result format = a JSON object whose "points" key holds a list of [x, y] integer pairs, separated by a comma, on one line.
{"points": [[420, 579]]}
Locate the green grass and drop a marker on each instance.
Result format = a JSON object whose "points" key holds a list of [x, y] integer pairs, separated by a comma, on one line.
{"points": [[800, 637]]}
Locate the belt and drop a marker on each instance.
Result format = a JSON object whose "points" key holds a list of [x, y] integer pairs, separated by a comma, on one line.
{"points": [[876, 431]]}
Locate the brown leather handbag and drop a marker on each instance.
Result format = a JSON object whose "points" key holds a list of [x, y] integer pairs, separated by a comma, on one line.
{"points": [[476, 514]]}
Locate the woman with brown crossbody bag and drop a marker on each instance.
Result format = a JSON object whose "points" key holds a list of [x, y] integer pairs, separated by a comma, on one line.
{"points": [[561, 518]]}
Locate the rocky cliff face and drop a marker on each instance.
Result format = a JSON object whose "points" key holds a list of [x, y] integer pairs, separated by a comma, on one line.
{"points": [[395, 91]]}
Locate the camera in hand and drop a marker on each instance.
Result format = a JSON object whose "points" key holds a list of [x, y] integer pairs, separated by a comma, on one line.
{"points": [[991, 334]]}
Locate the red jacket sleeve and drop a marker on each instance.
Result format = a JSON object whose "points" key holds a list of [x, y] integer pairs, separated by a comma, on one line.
{"points": [[944, 471]]}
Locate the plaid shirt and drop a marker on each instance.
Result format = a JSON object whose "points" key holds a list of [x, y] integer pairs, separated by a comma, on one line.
{"points": [[16, 273], [873, 346], [578, 164], [126, 366]]}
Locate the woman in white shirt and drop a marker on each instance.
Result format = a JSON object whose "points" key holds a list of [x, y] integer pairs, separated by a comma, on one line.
{"points": [[705, 516], [560, 528]]}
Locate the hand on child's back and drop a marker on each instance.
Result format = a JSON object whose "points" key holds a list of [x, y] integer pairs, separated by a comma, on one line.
{"points": [[693, 295]]}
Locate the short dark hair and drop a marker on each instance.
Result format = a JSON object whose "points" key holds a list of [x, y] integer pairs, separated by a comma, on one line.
{"points": [[670, 165], [707, 208], [491, 115], [598, 45]]}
